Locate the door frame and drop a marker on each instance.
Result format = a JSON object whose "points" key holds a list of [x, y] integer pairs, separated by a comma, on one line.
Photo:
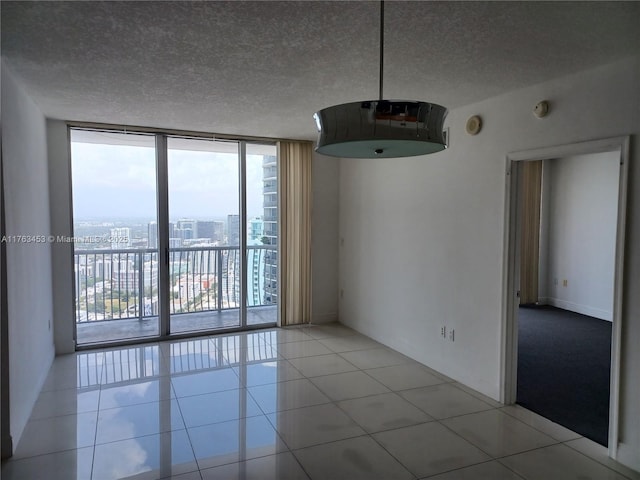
{"points": [[6, 441], [512, 222]]}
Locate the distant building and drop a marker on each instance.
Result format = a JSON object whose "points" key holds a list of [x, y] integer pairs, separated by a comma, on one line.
{"points": [[120, 238], [178, 233], [233, 230], [255, 228], [255, 274], [270, 228], [205, 229], [186, 224], [210, 229], [186, 234], [152, 235], [185, 229], [103, 266], [125, 273], [218, 230]]}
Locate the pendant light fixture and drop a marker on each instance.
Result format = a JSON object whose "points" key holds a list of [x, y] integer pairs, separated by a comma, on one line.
{"points": [[381, 128]]}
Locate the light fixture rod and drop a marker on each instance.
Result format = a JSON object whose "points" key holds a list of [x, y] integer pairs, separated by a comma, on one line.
{"points": [[381, 128], [381, 45]]}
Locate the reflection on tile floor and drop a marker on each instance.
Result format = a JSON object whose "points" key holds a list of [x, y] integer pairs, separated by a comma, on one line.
{"points": [[109, 331], [313, 402]]}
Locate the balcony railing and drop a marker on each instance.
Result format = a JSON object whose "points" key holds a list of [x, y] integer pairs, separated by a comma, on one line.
{"points": [[123, 284]]}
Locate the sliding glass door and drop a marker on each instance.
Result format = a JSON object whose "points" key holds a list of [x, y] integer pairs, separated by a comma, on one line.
{"points": [[114, 216], [262, 233], [189, 230], [204, 234]]}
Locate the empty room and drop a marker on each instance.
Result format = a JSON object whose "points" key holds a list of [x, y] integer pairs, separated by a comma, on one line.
{"points": [[287, 240]]}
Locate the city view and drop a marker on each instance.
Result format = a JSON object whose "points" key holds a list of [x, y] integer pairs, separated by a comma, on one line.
{"points": [[116, 256]]}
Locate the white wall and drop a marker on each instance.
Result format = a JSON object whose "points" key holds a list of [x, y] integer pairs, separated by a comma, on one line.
{"points": [[424, 237], [24, 155], [581, 218], [324, 239]]}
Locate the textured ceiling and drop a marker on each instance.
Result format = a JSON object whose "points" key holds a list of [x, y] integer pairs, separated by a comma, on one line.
{"points": [[263, 68]]}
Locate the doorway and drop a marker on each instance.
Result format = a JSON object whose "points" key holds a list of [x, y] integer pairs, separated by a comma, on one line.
{"points": [[172, 235], [547, 290], [567, 253]]}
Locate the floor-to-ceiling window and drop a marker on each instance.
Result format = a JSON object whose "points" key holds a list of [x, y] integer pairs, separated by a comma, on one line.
{"points": [[204, 233], [262, 233], [203, 259], [114, 215]]}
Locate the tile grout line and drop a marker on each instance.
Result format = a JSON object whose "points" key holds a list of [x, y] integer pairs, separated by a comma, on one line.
{"points": [[555, 442], [599, 462], [335, 403], [538, 429], [471, 466], [95, 437], [453, 382], [370, 435]]}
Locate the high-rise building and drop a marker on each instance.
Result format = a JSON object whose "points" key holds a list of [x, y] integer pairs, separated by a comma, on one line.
{"points": [[254, 229], [175, 241], [186, 229], [186, 223], [103, 267], [120, 238], [255, 277], [210, 229], [233, 230], [205, 229], [270, 227], [152, 235], [218, 230]]}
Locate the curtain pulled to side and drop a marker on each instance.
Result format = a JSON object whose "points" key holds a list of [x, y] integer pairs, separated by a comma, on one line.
{"points": [[295, 232], [530, 233]]}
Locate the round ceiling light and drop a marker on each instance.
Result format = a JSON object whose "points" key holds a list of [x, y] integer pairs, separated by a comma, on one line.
{"points": [[381, 129]]}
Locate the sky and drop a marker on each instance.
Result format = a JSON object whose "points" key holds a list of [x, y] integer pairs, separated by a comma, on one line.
{"points": [[119, 181]]}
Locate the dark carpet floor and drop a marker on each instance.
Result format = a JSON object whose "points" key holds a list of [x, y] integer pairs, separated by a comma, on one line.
{"points": [[564, 368]]}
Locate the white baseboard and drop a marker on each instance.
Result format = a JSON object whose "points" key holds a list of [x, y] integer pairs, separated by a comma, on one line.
{"points": [[575, 307], [325, 318]]}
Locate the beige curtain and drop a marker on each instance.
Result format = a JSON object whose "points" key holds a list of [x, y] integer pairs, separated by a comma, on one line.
{"points": [[295, 232], [530, 233]]}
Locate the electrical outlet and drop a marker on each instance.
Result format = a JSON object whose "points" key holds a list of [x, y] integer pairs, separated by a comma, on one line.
{"points": [[443, 331], [565, 282], [452, 335], [341, 293]]}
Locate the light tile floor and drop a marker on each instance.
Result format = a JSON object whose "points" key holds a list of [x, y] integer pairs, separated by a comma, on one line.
{"points": [[314, 402]]}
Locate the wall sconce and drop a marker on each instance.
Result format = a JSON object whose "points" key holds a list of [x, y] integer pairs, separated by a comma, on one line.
{"points": [[541, 109], [474, 125]]}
